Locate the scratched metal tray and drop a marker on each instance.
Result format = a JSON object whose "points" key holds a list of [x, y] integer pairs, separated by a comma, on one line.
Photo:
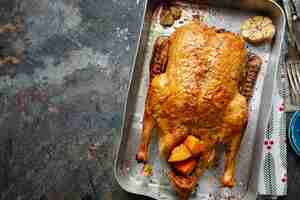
{"points": [[222, 14]]}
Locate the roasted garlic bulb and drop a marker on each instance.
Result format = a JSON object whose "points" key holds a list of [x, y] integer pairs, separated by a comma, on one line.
{"points": [[258, 29]]}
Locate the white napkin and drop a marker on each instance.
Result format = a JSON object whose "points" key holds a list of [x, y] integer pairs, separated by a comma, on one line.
{"points": [[273, 169]]}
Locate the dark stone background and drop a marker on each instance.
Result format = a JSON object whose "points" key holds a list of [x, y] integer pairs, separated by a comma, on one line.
{"points": [[65, 95], [64, 100]]}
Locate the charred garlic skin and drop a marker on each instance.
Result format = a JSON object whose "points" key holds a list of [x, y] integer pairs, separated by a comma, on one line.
{"points": [[258, 29]]}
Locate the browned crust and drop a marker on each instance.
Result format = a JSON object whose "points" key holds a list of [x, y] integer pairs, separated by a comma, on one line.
{"points": [[159, 56], [253, 65]]}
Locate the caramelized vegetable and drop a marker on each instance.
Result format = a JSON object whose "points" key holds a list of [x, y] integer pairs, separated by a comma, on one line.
{"points": [[186, 167], [180, 153], [194, 145]]}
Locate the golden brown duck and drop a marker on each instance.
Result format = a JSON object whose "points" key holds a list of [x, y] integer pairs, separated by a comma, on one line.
{"points": [[194, 100]]}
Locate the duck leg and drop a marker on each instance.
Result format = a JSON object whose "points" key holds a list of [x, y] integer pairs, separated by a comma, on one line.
{"points": [[157, 66], [230, 160]]}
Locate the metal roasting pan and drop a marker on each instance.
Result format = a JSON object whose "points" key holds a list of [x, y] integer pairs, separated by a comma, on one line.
{"points": [[226, 14]]}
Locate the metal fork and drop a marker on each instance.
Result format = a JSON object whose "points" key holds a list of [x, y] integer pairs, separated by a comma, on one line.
{"points": [[292, 17], [293, 72]]}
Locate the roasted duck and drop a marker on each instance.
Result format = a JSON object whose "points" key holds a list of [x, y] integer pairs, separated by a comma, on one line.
{"points": [[194, 99]]}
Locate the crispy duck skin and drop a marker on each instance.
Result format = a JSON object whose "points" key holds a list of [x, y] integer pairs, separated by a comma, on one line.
{"points": [[194, 89], [253, 65]]}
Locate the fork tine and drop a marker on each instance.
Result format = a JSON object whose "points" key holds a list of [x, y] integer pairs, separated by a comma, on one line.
{"points": [[293, 73], [297, 69], [295, 78], [291, 81], [290, 77], [296, 74]]}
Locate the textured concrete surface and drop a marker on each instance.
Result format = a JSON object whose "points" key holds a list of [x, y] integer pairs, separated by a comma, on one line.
{"points": [[61, 105]]}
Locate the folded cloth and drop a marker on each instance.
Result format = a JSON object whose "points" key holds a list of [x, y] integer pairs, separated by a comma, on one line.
{"points": [[273, 169]]}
